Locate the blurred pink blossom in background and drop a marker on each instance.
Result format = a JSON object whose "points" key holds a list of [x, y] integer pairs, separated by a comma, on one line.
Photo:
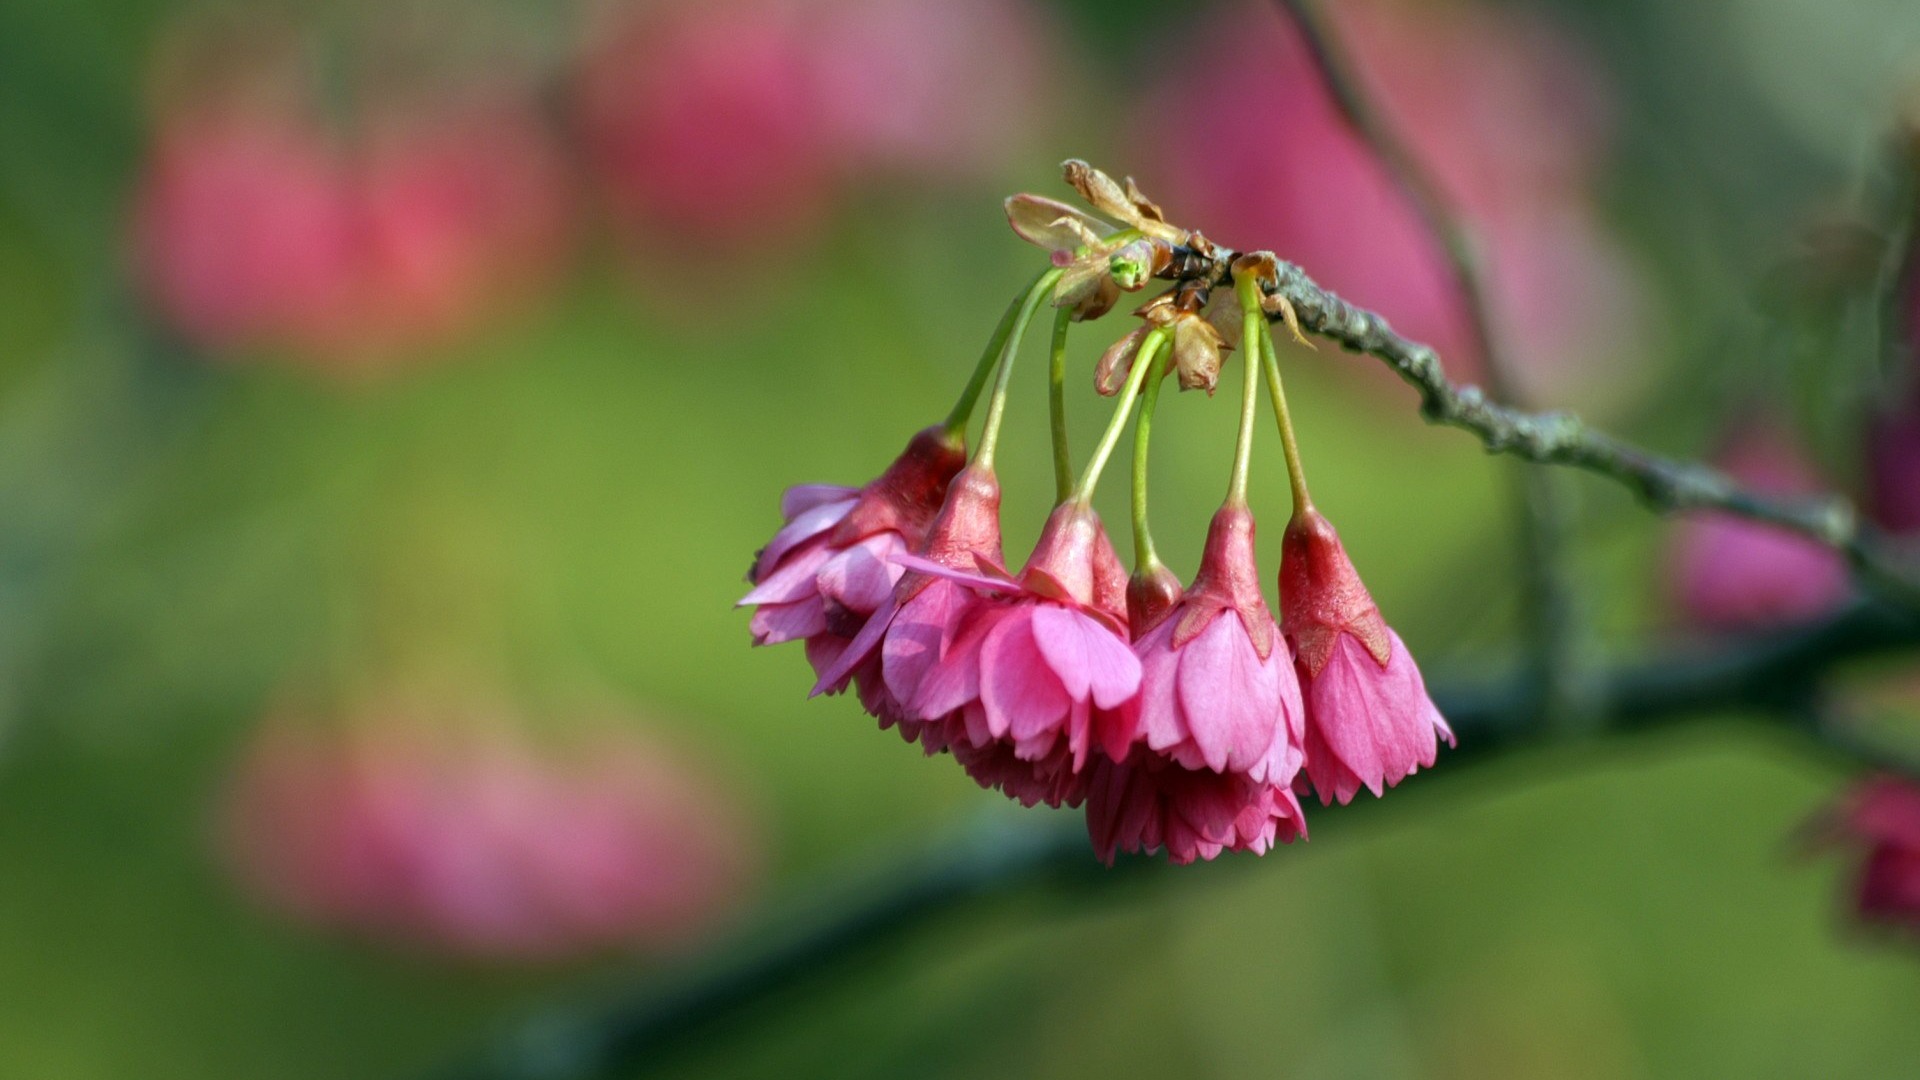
{"points": [[934, 87], [1731, 573], [702, 120], [739, 121], [1502, 110], [346, 242], [1881, 815], [243, 228], [456, 832]]}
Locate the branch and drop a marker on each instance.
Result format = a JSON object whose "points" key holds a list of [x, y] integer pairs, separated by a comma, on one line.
{"points": [[1562, 438], [1772, 676], [1542, 519]]}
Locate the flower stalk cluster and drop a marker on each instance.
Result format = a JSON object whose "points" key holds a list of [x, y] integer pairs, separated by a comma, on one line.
{"points": [[1185, 719]]}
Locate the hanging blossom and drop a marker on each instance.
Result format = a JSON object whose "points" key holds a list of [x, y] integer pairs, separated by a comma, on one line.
{"points": [[1188, 721], [1370, 722], [1204, 758]]}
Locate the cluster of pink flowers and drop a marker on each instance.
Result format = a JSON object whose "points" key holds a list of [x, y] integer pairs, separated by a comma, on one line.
{"points": [[1189, 729], [429, 827], [257, 230], [1186, 720]]}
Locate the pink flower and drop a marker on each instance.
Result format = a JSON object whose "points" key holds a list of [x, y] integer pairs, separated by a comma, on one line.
{"points": [[1150, 803], [1030, 660], [1883, 816], [703, 123], [415, 826], [1731, 573], [1502, 110], [835, 562], [1370, 722], [1217, 687]]}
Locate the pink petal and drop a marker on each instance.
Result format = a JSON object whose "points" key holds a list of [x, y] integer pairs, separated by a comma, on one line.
{"points": [[1057, 631], [861, 577], [776, 623], [1230, 699], [941, 570], [921, 635], [792, 579], [801, 498], [814, 521], [1020, 691], [834, 679]]}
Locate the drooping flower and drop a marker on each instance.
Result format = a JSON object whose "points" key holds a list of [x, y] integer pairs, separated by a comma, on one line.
{"points": [[1217, 690], [1882, 816], [414, 825], [1731, 573], [1029, 662], [1149, 803], [1202, 760], [835, 562], [1370, 722]]}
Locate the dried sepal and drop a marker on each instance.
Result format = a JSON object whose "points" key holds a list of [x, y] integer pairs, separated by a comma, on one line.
{"points": [[1196, 353], [1275, 304], [1110, 374], [1053, 225], [1122, 203], [1147, 207], [1224, 315], [1159, 311]]}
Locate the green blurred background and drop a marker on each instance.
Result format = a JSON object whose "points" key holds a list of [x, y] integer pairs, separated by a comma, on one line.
{"points": [[562, 507]]}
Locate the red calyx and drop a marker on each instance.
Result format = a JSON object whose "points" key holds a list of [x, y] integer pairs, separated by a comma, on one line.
{"points": [[1228, 580], [1321, 595], [906, 497]]}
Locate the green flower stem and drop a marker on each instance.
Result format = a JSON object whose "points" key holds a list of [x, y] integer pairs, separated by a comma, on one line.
{"points": [[1263, 342], [1146, 359], [997, 405], [1145, 558], [1251, 329], [1057, 406], [956, 423]]}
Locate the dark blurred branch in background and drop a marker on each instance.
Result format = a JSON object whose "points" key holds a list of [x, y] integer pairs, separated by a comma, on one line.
{"points": [[1773, 677], [1551, 620]]}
